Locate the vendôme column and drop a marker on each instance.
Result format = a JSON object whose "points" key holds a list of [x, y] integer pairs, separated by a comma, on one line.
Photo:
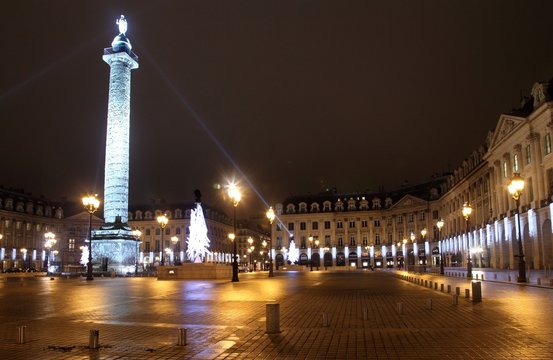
{"points": [[114, 247]]}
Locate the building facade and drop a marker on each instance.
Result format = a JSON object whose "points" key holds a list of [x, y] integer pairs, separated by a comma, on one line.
{"points": [[24, 219], [384, 230], [152, 245]]}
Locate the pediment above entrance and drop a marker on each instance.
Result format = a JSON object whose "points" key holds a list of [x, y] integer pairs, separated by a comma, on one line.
{"points": [[506, 125], [409, 201]]}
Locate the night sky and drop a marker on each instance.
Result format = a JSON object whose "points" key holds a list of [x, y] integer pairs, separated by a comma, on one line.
{"points": [[296, 96]]}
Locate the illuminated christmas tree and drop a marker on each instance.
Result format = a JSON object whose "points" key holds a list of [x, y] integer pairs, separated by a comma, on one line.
{"points": [[197, 242], [293, 253]]}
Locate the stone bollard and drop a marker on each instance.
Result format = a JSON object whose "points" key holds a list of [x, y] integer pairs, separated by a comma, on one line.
{"points": [[455, 299], [400, 308], [476, 276], [457, 291], [428, 304], [365, 314], [442, 287], [448, 289], [181, 341], [272, 318], [425, 283], [482, 277], [495, 276], [94, 339], [476, 291], [509, 278], [467, 293], [435, 286], [539, 281], [325, 320], [21, 334]]}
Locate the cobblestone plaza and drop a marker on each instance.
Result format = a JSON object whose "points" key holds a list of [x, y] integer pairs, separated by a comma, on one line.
{"points": [[139, 318]]}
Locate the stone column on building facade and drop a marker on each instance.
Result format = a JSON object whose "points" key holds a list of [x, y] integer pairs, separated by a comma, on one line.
{"points": [[538, 173]]}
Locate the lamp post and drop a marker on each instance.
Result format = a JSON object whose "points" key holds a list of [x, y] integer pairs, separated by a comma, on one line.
{"points": [[440, 225], [234, 194], [162, 221], [262, 253], [412, 237], [423, 235], [250, 250], [311, 247], [91, 204], [515, 189], [271, 216], [467, 210], [50, 240], [176, 258], [137, 233]]}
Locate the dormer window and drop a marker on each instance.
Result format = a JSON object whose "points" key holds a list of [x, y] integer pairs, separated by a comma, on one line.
{"points": [[315, 207], [303, 207], [363, 204], [339, 206], [290, 209], [327, 206], [388, 202], [376, 203], [351, 205]]}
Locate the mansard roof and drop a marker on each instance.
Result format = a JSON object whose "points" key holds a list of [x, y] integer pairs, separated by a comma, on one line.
{"points": [[420, 191], [209, 212]]}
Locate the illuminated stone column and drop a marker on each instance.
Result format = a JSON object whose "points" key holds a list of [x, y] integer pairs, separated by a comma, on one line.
{"points": [[116, 179], [114, 247]]}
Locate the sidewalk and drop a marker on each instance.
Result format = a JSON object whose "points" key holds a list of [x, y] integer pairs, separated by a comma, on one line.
{"points": [[534, 277]]}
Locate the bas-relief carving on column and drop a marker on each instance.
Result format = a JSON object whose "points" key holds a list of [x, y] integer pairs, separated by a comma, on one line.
{"points": [[517, 148]]}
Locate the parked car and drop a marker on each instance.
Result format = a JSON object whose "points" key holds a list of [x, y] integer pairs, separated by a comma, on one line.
{"points": [[31, 270], [13, 270]]}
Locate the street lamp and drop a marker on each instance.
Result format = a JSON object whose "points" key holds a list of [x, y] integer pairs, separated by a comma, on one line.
{"points": [[50, 240], [91, 204], [515, 189], [250, 241], [271, 216], [176, 258], [232, 238], [234, 194], [412, 253], [262, 253], [423, 234], [311, 247], [250, 253], [136, 233], [467, 210], [440, 225], [162, 220]]}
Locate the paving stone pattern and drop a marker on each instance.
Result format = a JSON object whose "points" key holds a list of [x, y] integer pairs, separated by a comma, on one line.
{"points": [[138, 318]]}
